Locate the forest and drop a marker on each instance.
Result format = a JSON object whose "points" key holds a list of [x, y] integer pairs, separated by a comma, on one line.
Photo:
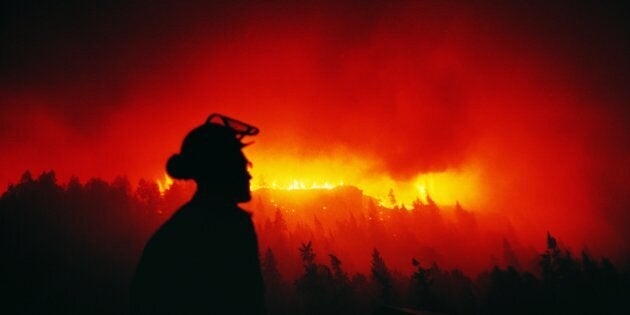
{"points": [[71, 248]]}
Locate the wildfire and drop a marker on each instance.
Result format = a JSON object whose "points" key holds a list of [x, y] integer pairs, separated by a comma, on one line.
{"points": [[294, 173], [296, 184], [164, 184], [449, 187]]}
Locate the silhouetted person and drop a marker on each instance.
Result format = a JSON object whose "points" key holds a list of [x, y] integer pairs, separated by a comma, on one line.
{"points": [[204, 259]]}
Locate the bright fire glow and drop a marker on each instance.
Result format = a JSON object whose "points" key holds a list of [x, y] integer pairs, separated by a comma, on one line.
{"points": [[164, 184], [294, 173], [450, 187], [297, 185]]}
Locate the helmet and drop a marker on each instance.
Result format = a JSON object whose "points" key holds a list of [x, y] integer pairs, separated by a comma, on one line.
{"points": [[211, 150]]}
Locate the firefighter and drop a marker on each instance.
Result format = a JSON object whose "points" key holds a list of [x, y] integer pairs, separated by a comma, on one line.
{"points": [[204, 259]]}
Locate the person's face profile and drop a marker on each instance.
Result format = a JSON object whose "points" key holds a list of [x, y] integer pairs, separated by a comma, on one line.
{"points": [[232, 178], [242, 186]]}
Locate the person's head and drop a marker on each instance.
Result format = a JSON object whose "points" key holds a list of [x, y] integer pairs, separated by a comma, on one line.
{"points": [[211, 155]]}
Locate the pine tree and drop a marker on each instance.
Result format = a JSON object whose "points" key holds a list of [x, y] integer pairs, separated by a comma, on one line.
{"points": [[509, 256], [549, 262], [381, 277], [307, 254], [148, 194], [313, 287], [279, 222], [421, 284], [338, 273], [270, 271]]}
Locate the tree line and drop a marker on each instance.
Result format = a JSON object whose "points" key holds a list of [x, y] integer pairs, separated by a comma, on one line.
{"points": [[71, 248]]}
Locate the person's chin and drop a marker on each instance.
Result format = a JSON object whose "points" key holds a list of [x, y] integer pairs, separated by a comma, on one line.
{"points": [[245, 197]]}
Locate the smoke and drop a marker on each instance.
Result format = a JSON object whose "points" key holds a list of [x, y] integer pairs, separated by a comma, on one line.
{"points": [[534, 94]]}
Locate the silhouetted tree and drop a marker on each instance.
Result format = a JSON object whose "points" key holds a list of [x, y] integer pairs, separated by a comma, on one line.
{"points": [[277, 292], [381, 277], [338, 273], [280, 224], [148, 195], [509, 256], [314, 287], [420, 288], [71, 248]]}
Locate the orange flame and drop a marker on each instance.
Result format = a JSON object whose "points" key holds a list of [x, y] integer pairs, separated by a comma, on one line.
{"points": [[447, 187], [293, 173], [164, 184]]}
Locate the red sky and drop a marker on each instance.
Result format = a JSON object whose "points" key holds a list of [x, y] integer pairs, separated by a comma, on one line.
{"points": [[532, 98]]}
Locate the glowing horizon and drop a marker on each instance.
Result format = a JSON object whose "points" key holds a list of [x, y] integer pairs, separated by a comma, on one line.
{"points": [[445, 188]]}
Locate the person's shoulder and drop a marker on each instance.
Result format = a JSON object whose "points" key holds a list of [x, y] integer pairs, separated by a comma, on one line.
{"points": [[173, 227]]}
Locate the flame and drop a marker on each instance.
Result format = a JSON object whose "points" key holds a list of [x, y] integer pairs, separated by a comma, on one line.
{"points": [[463, 185], [447, 187], [164, 184], [450, 187], [296, 184]]}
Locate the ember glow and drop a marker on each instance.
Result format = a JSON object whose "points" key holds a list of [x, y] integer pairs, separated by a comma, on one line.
{"points": [[164, 183], [512, 110], [444, 188]]}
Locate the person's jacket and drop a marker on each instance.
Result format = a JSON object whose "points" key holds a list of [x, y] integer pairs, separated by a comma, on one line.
{"points": [[203, 260]]}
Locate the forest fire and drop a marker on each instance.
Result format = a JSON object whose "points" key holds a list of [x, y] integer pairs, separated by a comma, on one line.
{"points": [[443, 188], [297, 185], [417, 133], [450, 102], [164, 183]]}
